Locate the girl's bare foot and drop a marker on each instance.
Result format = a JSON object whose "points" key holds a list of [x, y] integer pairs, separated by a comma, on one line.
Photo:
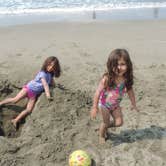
{"points": [[101, 140], [1, 104], [14, 123]]}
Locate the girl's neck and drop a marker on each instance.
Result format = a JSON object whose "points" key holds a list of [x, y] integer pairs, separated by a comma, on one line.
{"points": [[119, 79]]}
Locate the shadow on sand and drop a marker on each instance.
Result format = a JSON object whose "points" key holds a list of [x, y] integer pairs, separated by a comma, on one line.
{"points": [[1, 132], [130, 136], [15, 108]]}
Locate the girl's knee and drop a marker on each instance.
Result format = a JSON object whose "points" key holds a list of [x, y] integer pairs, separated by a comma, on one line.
{"points": [[29, 111], [118, 122], [14, 100], [106, 125]]}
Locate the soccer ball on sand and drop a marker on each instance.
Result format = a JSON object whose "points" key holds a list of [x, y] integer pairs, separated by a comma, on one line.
{"points": [[79, 158]]}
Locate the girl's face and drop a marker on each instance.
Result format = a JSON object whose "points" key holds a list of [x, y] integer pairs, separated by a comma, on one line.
{"points": [[51, 67], [121, 68]]}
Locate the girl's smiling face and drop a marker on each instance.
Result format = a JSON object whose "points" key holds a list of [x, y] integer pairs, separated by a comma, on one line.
{"points": [[121, 67], [51, 67]]}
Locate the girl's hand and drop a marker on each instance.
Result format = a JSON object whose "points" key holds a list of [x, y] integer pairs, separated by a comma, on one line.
{"points": [[135, 108], [50, 98], [93, 113]]}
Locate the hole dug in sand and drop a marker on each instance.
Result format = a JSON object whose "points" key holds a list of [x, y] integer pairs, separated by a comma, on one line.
{"points": [[8, 112], [51, 133]]}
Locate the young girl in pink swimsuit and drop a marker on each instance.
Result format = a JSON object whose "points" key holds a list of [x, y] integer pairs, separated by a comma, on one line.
{"points": [[115, 82]]}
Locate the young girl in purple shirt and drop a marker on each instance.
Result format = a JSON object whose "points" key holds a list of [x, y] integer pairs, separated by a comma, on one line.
{"points": [[43, 80]]}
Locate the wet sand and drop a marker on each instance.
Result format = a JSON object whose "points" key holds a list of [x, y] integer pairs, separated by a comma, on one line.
{"points": [[55, 129]]}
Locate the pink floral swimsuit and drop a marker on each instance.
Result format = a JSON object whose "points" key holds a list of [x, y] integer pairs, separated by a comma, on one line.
{"points": [[110, 98]]}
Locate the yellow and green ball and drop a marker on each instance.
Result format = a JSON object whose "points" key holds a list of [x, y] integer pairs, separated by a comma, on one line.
{"points": [[79, 158]]}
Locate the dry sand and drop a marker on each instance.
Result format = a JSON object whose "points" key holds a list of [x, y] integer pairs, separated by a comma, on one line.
{"points": [[54, 130]]}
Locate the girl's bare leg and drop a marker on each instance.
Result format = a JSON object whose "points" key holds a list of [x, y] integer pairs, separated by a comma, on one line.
{"points": [[28, 110], [15, 99], [118, 117], [104, 125], [118, 121]]}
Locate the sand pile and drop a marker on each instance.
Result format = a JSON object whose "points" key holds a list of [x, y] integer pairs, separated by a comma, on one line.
{"points": [[50, 131]]}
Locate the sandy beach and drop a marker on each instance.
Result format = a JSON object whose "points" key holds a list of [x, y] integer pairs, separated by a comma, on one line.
{"points": [[54, 130]]}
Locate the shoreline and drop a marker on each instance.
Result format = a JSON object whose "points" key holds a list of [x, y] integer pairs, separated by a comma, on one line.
{"points": [[85, 16]]}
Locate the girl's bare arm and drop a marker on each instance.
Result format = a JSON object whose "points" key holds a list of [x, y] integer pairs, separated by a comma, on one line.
{"points": [[96, 98], [132, 98], [97, 93], [46, 87]]}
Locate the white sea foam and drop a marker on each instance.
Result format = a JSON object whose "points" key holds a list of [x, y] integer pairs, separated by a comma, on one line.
{"points": [[52, 6]]}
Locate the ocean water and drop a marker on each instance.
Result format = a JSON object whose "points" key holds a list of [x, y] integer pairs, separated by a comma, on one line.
{"points": [[29, 11], [48, 6]]}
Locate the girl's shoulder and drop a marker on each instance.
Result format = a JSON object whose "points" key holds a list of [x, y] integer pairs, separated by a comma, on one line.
{"points": [[44, 72], [105, 80], [40, 74], [105, 76], [40, 71]]}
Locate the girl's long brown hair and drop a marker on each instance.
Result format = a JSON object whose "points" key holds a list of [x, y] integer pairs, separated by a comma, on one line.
{"points": [[57, 67], [112, 66]]}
